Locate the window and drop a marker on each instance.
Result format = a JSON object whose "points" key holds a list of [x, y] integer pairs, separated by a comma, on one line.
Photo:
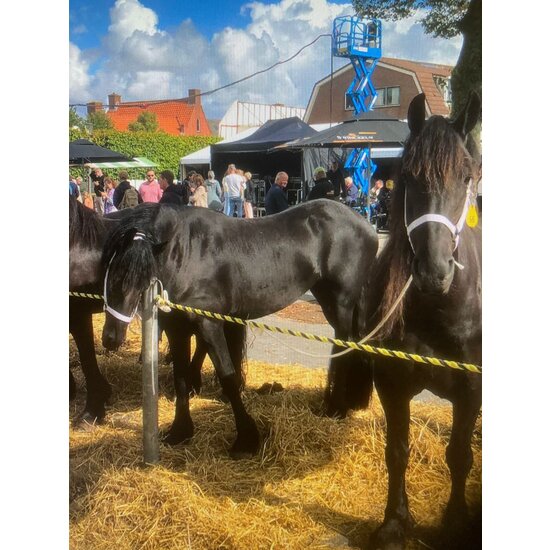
{"points": [[444, 86], [380, 98], [198, 125], [388, 97]]}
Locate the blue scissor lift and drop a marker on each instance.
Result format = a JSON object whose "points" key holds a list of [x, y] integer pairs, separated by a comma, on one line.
{"points": [[359, 40]]}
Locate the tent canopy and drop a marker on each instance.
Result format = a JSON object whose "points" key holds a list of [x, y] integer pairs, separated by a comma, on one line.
{"points": [[270, 134], [137, 162], [83, 151], [255, 153], [372, 128]]}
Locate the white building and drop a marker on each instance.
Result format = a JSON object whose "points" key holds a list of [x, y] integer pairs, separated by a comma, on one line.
{"points": [[242, 115]]}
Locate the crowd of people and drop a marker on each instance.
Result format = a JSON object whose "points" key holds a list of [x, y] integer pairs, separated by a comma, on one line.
{"points": [[234, 196]]}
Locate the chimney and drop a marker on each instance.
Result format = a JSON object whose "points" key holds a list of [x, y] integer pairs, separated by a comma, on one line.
{"points": [[114, 100], [94, 107], [194, 97]]}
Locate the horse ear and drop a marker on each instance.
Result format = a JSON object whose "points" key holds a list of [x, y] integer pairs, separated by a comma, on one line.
{"points": [[417, 114], [467, 119]]}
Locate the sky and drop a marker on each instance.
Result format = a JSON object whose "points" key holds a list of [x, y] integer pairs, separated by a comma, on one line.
{"points": [[155, 49]]}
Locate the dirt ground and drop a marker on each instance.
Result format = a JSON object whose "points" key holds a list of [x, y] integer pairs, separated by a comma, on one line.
{"points": [[306, 312]]}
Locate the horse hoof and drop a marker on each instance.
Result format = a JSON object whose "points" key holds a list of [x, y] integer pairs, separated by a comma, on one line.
{"points": [[246, 446], [338, 413], [175, 437], [87, 421], [459, 531], [389, 536]]}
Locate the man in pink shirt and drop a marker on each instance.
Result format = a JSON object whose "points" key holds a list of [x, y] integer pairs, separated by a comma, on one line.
{"points": [[150, 190]]}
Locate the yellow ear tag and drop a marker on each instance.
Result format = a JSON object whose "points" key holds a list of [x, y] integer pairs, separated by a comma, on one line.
{"points": [[471, 216]]}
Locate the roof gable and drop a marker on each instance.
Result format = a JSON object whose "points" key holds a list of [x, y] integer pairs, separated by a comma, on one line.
{"points": [[421, 71], [172, 116]]}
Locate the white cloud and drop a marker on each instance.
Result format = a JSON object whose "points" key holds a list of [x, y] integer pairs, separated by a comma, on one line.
{"points": [[141, 61], [79, 79]]}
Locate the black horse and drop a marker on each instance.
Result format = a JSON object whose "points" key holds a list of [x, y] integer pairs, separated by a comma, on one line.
{"points": [[244, 268], [440, 315], [87, 234]]}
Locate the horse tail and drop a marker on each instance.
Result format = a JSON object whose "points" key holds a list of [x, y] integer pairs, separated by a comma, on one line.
{"points": [[350, 383]]}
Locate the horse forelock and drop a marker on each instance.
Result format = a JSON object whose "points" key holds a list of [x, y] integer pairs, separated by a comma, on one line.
{"points": [[435, 156], [131, 261]]}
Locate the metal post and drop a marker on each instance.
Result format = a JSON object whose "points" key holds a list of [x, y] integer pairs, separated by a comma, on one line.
{"points": [[151, 454]]}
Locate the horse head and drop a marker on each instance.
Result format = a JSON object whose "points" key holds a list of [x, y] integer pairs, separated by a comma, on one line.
{"points": [[129, 267], [440, 172]]}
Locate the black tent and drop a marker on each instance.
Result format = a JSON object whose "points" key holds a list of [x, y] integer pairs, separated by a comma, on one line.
{"points": [[384, 136], [256, 153], [83, 151], [371, 129]]}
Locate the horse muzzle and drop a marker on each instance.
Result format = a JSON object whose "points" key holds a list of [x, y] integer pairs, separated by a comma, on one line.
{"points": [[114, 334], [434, 276]]}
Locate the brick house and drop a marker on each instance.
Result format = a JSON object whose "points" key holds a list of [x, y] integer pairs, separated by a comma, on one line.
{"points": [[181, 117], [397, 81]]}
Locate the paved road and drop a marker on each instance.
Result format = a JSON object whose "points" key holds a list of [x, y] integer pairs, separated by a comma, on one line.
{"points": [[282, 349]]}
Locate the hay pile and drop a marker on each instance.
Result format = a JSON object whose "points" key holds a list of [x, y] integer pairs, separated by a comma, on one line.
{"points": [[317, 482]]}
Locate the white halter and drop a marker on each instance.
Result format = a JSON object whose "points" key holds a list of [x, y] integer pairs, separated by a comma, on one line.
{"points": [[454, 229], [106, 307]]}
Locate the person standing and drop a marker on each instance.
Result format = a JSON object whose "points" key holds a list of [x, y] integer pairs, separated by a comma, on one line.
{"points": [[80, 187], [171, 192], [351, 191], [248, 195], [150, 190], [323, 188], [74, 191], [123, 184], [233, 190], [108, 195], [87, 200], [214, 192], [336, 177], [99, 187], [275, 200], [199, 197]]}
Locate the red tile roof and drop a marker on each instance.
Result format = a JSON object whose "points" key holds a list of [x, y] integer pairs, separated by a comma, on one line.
{"points": [[424, 73], [171, 116]]}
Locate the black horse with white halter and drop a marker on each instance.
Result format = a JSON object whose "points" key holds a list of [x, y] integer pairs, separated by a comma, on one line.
{"points": [[435, 238], [245, 268]]}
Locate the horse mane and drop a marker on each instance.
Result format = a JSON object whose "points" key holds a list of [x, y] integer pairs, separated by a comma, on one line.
{"points": [[135, 264], [86, 227], [390, 272], [436, 153]]}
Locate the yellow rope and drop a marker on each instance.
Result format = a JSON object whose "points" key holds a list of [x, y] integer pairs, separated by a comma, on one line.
{"points": [[325, 339]]}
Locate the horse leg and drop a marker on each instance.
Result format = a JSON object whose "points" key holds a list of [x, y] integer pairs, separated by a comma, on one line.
{"points": [[397, 518], [182, 427], [98, 390], [235, 336], [459, 459], [197, 361], [248, 438]]}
